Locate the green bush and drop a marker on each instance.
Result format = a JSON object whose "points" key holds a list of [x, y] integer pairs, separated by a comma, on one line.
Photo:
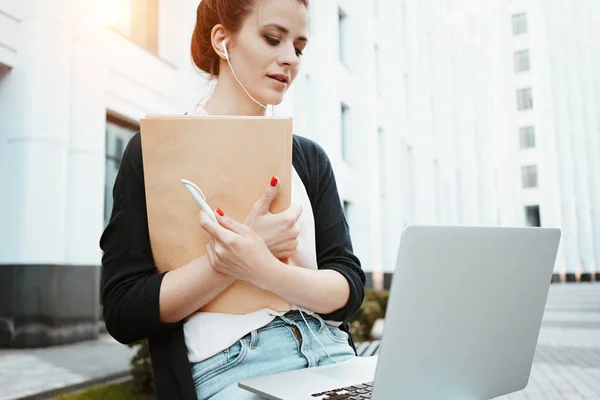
{"points": [[141, 368], [373, 308], [109, 392]]}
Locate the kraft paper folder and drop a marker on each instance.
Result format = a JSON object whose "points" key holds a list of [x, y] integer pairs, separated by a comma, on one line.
{"points": [[232, 160]]}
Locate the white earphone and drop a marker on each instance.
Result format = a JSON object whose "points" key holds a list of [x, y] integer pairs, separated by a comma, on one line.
{"points": [[224, 45]]}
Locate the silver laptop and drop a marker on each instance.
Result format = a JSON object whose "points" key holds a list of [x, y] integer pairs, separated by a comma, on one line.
{"points": [[463, 320]]}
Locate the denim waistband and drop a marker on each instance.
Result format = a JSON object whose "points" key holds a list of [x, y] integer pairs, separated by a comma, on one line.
{"points": [[291, 318]]}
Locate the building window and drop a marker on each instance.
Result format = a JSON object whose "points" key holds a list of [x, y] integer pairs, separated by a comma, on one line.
{"points": [[137, 20], [381, 156], [344, 126], [404, 25], [529, 176], [524, 99], [377, 70], [342, 29], [347, 211], [527, 137], [522, 61], [519, 23], [532, 216], [118, 134]]}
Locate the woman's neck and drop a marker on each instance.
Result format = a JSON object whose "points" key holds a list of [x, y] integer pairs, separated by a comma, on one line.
{"points": [[229, 98]]}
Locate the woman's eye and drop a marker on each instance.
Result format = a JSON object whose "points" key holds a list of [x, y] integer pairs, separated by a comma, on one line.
{"points": [[271, 40], [298, 52]]}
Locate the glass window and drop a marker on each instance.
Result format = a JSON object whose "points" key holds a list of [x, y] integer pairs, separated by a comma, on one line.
{"points": [[342, 22], [519, 23], [347, 211], [532, 216], [377, 70], [522, 61], [529, 176], [381, 156], [527, 137], [524, 99], [135, 19], [404, 25], [118, 134], [344, 126]]}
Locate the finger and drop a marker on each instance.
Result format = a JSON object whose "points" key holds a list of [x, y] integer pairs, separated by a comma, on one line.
{"points": [[295, 231], [291, 246], [231, 224], [211, 226], [263, 204], [287, 254], [293, 212]]}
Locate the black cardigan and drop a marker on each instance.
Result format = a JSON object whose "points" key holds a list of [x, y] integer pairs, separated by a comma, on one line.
{"points": [[131, 284]]}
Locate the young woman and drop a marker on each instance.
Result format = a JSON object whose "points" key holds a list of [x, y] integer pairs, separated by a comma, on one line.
{"points": [[253, 49]]}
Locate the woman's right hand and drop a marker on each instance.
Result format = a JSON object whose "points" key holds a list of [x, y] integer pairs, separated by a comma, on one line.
{"points": [[278, 231]]}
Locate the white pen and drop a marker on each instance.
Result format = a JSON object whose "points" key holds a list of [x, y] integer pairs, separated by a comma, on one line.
{"points": [[199, 196]]}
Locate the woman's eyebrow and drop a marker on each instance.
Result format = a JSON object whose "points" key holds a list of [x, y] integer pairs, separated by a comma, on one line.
{"points": [[284, 30]]}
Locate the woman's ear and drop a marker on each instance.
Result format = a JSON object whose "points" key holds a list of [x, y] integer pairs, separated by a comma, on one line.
{"points": [[220, 38]]}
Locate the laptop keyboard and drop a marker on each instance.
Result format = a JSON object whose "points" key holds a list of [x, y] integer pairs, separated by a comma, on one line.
{"points": [[354, 392]]}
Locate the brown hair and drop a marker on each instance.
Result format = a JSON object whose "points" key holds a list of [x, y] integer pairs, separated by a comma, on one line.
{"points": [[231, 14]]}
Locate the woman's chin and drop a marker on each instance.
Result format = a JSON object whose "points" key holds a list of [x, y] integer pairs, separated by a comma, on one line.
{"points": [[273, 98]]}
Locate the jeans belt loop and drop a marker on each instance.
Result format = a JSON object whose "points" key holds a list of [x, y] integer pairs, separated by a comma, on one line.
{"points": [[253, 339]]}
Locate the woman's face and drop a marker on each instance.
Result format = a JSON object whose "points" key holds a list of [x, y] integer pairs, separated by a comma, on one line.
{"points": [[266, 52]]}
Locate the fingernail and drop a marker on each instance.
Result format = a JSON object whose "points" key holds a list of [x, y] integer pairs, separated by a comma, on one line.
{"points": [[220, 212], [274, 181]]}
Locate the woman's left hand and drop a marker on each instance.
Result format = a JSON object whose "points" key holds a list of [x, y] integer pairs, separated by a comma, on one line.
{"points": [[235, 249]]}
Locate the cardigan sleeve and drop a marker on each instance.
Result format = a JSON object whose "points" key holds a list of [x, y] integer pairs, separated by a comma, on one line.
{"points": [[333, 242], [130, 283]]}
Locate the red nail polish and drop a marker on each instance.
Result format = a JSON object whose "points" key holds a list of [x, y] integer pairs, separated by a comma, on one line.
{"points": [[220, 212], [274, 181]]}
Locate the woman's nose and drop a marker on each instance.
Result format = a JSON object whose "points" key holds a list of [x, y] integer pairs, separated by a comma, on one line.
{"points": [[289, 56]]}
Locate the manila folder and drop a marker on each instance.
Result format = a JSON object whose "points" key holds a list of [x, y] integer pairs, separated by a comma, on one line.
{"points": [[231, 159]]}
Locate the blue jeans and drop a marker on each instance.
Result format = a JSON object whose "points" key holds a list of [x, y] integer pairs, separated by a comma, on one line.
{"points": [[285, 344]]}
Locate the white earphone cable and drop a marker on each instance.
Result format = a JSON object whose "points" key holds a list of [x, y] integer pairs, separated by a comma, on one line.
{"points": [[315, 336], [273, 113], [241, 84]]}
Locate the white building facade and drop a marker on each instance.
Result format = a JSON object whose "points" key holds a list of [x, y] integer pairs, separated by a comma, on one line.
{"points": [[556, 79], [515, 85], [414, 101], [75, 77]]}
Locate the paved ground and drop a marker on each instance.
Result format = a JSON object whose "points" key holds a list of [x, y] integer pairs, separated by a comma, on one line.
{"points": [[567, 360], [566, 365], [25, 373]]}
